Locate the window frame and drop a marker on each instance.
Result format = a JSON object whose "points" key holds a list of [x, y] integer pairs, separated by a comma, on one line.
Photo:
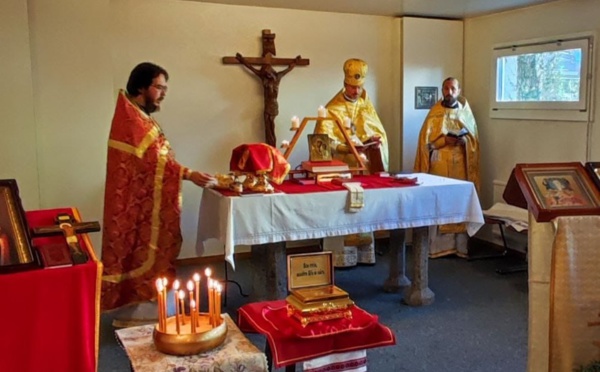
{"points": [[544, 110]]}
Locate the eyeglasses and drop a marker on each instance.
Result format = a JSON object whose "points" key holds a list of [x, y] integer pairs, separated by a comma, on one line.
{"points": [[162, 88]]}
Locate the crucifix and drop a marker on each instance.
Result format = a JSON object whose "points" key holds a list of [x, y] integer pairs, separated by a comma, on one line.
{"points": [[269, 77], [66, 226]]}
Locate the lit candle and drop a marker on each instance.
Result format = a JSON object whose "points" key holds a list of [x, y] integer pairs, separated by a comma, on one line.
{"points": [[347, 122], [165, 282], [182, 305], [190, 287], [193, 315], [210, 301], [159, 299], [322, 112], [285, 144], [218, 304], [208, 273], [295, 122], [196, 278], [175, 294]]}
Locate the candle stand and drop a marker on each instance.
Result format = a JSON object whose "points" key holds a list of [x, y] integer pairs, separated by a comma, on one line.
{"points": [[289, 148], [187, 342]]}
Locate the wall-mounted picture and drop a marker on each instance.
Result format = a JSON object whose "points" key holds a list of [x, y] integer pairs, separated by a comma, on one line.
{"points": [[425, 97], [15, 245], [319, 148], [558, 189]]}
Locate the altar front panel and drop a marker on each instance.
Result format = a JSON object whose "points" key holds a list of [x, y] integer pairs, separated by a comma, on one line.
{"points": [[49, 318], [280, 217]]}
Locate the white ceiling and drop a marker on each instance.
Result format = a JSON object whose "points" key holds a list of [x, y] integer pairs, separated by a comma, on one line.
{"points": [[449, 9]]}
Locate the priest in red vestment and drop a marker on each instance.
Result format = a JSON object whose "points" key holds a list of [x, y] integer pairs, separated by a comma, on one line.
{"points": [[142, 204]]}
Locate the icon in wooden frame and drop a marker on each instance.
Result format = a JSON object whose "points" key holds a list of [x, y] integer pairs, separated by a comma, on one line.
{"points": [[16, 252], [558, 189], [319, 147]]}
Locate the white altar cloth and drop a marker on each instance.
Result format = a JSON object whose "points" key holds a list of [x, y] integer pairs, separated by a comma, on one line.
{"points": [[270, 218]]}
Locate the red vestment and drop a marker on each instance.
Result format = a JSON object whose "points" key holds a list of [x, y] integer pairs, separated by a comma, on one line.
{"points": [[142, 208]]}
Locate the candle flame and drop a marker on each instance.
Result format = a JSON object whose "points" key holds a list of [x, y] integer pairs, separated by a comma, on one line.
{"points": [[190, 285], [165, 281], [176, 284], [207, 272], [181, 295], [219, 288], [196, 277], [159, 285], [192, 304]]}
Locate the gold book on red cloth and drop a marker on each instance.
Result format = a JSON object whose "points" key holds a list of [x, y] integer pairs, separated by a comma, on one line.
{"points": [[313, 296], [333, 165]]}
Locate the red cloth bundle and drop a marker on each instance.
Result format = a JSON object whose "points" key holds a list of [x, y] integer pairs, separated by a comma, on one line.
{"points": [[259, 158]]}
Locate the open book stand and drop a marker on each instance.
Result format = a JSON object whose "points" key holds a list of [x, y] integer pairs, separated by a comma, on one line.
{"points": [[288, 151]]}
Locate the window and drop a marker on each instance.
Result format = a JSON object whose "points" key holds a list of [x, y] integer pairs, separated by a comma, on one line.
{"points": [[545, 80]]}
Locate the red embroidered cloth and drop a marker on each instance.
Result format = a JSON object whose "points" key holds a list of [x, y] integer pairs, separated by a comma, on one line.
{"points": [[49, 318], [260, 157], [367, 182], [291, 343]]}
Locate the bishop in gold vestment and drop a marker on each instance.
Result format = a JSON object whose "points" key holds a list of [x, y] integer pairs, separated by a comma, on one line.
{"points": [[352, 104], [445, 151]]}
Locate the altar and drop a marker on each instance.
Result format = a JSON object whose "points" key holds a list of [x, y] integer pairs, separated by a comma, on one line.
{"points": [[266, 221]]}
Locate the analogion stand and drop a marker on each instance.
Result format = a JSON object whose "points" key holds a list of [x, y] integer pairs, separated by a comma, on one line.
{"points": [[50, 317], [288, 342]]}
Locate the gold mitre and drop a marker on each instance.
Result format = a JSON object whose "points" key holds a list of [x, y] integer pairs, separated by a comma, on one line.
{"points": [[355, 71]]}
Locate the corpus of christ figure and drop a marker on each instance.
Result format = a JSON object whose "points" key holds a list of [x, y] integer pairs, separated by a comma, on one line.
{"points": [[270, 78]]}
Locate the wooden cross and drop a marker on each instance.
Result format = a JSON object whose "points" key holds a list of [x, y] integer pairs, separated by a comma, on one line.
{"points": [[270, 78], [66, 226]]}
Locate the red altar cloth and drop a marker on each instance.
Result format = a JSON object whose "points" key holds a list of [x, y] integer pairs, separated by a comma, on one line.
{"points": [[49, 318], [291, 343], [367, 182]]}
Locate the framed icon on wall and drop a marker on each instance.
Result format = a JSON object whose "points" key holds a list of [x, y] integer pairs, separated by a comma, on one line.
{"points": [[425, 97]]}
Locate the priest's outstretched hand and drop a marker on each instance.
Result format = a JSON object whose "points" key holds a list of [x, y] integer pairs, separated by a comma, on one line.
{"points": [[201, 179]]}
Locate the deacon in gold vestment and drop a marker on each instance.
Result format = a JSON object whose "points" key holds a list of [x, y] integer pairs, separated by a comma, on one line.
{"points": [[445, 151], [353, 103], [142, 205]]}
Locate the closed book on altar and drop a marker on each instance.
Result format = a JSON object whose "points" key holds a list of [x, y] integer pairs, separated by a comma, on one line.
{"points": [[55, 255], [325, 166]]}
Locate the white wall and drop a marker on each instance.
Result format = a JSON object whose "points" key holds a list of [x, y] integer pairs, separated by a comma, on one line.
{"points": [[17, 122], [507, 142], [212, 108], [432, 50], [62, 84], [72, 80]]}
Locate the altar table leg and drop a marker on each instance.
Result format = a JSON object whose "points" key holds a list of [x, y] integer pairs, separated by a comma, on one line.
{"points": [[419, 294], [269, 271], [397, 262]]}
